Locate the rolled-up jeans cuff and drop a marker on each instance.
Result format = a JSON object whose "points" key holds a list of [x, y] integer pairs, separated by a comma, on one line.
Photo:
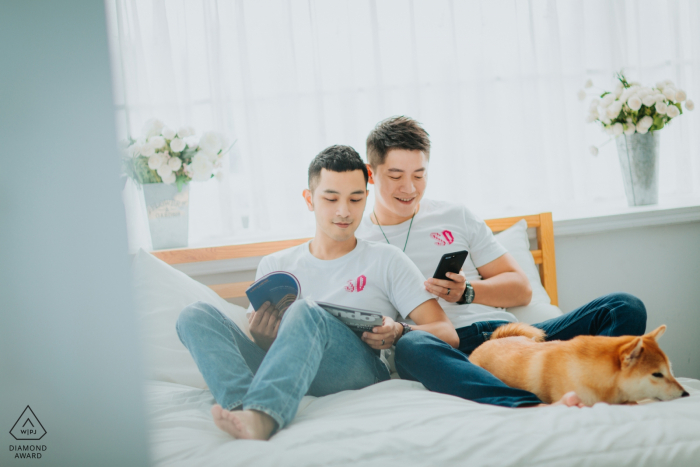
{"points": [[278, 419], [234, 406]]}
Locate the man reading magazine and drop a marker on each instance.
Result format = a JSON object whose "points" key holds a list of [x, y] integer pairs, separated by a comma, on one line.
{"points": [[258, 384]]}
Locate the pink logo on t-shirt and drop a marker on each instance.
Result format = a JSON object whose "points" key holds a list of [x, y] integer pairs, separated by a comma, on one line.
{"points": [[444, 238], [359, 284]]}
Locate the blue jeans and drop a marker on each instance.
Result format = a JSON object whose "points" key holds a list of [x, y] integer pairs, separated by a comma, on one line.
{"points": [[314, 353], [423, 357]]}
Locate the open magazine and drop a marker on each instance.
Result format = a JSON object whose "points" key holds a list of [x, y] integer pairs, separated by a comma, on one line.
{"points": [[282, 289]]}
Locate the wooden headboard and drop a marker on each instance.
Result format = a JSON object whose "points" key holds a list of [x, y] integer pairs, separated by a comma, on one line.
{"points": [[543, 255]]}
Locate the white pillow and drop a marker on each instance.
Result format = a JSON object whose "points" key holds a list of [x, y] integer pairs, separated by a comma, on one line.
{"points": [[160, 293], [515, 240]]}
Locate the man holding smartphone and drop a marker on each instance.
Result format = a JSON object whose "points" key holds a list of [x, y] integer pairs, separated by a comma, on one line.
{"points": [[398, 152]]}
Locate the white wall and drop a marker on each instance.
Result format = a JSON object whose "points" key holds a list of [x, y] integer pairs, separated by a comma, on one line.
{"points": [[659, 264], [68, 334]]}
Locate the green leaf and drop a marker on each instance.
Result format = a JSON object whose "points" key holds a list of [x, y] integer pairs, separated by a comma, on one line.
{"points": [[181, 180], [603, 95]]}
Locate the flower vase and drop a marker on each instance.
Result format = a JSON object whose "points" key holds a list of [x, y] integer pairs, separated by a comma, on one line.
{"points": [[168, 214], [639, 162]]}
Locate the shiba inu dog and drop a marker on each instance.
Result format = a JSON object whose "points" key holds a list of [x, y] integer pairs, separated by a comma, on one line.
{"points": [[616, 370]]}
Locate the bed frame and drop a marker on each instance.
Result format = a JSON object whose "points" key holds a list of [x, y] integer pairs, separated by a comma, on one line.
{"points": [[543, 255]]}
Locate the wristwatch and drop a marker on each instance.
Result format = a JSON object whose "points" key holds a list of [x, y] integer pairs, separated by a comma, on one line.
{"points": [[406, 328], [467, 296]]}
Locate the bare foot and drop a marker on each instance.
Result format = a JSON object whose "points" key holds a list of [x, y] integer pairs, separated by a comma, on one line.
{"points": [[570, 399], [244, 424]]}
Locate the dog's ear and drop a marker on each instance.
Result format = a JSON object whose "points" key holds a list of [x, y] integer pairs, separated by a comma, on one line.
{"points": [[629, 354], [658, 332]]}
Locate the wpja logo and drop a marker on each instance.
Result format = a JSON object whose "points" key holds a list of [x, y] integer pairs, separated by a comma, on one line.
{"points": [[28, 428]]}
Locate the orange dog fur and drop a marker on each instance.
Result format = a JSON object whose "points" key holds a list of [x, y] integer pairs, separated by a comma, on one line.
{"points": [[616, 370]]}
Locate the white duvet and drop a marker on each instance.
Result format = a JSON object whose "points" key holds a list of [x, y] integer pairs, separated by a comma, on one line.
{"points": [[401, 423]]}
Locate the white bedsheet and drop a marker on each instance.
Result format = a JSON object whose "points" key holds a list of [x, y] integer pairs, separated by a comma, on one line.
{"points": [[401, 423]]}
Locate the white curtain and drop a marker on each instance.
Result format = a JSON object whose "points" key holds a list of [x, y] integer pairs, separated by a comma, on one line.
{"points": [[494, 83]]}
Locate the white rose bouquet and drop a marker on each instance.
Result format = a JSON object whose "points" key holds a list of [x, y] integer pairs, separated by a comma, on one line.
{"points": [[163, 155], [632, 108]]}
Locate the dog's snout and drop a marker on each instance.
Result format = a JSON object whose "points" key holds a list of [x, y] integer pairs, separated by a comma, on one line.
{"points": [[685, 394]]}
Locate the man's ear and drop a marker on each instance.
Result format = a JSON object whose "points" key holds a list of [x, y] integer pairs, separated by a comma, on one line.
{"points": [[309, 199], [629, 354], [371, 177]]}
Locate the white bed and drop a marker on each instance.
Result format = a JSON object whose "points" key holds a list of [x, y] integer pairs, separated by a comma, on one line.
{"points": [[396, 422], [401, 423]]}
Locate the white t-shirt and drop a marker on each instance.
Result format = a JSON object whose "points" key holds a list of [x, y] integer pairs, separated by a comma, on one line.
{"points": [[440, 227], [373, 276]]}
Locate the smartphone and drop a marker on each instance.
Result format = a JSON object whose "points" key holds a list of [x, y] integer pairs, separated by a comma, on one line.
{"points": [[450, 262]]}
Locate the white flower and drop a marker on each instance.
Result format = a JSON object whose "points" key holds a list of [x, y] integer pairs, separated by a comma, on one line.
{"points": [[617, 129], [649, 100], [634, 103], [593, 150], [185, 131], [641, 129], [589, 84], [660, 97], [668, 83], [219, 175], [661, 107], [164, 170], [592, 117], [690, 105], [177, 145], [174, 163], [625, 95], [211, 142], [169, 179], [168, 133], [646, 121], [156, 160], [641, 92], [156, 142], [581, 95], [607, 100], [614, 110], [680, 95], [660, 85], [152, 128], [604, 119], [618, 89], [201, 167], [670, 93], [635, 85], [594, 103], [630, 129], [147, 150], [673, 111]]}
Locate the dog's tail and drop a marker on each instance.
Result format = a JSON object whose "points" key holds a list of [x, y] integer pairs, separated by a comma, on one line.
{"points": [[519, 329]]}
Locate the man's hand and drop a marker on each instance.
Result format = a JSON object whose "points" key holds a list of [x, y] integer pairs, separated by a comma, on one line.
{"points": [[384, 336], [264, 324], [455, 286]]}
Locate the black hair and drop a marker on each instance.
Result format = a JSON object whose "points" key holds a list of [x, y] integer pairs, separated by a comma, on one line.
{"points": [[399, 132], [336, 159]]}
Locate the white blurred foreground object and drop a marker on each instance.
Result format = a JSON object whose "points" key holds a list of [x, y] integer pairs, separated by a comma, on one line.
{"points": [[632, 114], [69, 339], [163, 161]]}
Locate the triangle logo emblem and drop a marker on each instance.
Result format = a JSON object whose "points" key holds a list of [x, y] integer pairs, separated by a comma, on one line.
{"points": [[28, 427]]}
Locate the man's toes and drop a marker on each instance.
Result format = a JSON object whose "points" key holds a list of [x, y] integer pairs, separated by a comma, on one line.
{"points": [[571, 399], [216, 411]]}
